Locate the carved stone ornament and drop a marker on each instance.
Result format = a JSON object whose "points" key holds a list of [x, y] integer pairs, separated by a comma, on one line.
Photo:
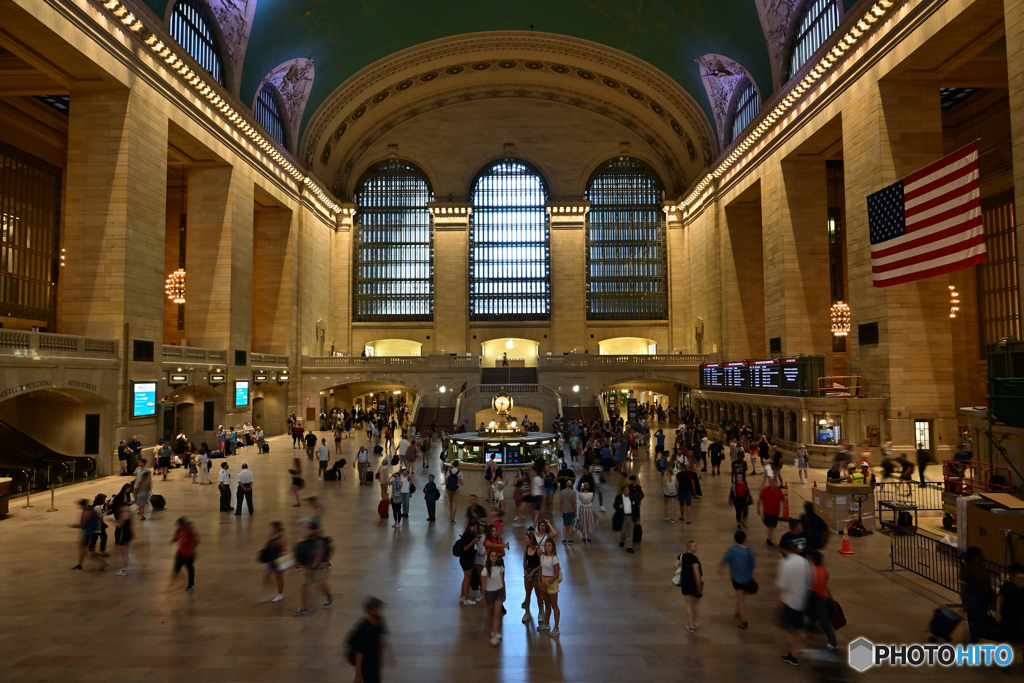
{"points": [[721, 77], [235, 20], [776, 17], [294, 80]]}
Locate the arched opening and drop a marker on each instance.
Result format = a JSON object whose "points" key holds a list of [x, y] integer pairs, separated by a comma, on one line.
{"points": [[393, 347], [192, 27], [746, 104], [269, 112], [195, 409], [627, 346], [517, 353], [270, 408]]}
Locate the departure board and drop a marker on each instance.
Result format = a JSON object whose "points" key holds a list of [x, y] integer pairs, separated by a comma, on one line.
{"points": [[784, 376]]}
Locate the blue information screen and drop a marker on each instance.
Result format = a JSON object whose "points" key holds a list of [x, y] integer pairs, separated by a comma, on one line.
{"points": [[144, 400], [241, 393]]}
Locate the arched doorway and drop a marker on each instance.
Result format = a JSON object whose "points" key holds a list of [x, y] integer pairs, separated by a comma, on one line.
{"points": [[627, 346], [393, 347], [519, 352]]}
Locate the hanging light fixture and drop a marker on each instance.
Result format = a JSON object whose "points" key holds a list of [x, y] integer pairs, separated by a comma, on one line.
{"points": [[954, 301], [175, 286], [840, 319]]}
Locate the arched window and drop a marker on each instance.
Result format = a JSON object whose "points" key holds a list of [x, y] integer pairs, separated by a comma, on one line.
{"points": [[393, 245], [819, 19], [193, 30], [509, 245], [746, 108], [626, 258], [268, 113]]}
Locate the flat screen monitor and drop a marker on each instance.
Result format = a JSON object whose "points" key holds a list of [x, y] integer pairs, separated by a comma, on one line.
{"points": [[144, 399], [241, 393]]}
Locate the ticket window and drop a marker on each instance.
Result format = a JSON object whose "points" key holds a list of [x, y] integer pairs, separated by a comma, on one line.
{"points": [[827, 430]]}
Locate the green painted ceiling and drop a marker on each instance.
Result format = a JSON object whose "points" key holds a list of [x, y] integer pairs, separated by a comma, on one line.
{"points": [[346, 35]]}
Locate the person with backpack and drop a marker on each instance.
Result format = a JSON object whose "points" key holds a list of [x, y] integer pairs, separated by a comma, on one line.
{"points": [[431, 496], [395, 484], [452, 484], [465, 550], [312, 553], [366, 643], [741, 561], [739, 496]]}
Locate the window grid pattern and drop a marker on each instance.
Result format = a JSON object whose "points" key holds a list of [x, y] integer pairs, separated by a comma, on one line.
{"points": [[29, 234], [626, 258], [998, 294], [747, 107], [819, 20], [948, 97], [509, 245], [268, 113], [192, 29], [61, 103], [394, 245]]}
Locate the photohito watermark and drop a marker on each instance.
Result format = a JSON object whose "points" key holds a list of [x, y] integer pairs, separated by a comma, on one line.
{"points": [[864, 654]]}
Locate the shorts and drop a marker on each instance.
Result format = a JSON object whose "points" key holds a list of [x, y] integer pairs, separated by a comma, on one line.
{"points": [[771, 521], [273, 568], [550, 585], [686, 497], [163, 462], [549, 491], [670, 495], [317, 577], [790, 618], [745, 587], [567, 518], [491, 597]]}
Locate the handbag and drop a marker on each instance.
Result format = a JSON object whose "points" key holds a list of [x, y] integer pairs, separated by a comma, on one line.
{"points": [[412, 488], [836, 615], [677, 577]]}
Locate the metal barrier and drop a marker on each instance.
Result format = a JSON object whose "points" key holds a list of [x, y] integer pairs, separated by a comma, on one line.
{"points": [[928, 497], [935, 561]]}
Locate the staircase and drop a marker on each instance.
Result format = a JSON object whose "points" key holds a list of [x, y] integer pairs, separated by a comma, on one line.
{"points": [[508, 376], [438, 416], [581, 413]]}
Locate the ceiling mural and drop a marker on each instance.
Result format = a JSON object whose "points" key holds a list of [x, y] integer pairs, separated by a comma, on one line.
{"points": [[294, 81], [776, 16], [721, 77], [235, 20]]}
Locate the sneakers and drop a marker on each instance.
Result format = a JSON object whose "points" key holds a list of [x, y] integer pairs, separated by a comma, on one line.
{"points": [[541, 626], [495, 639], [564, 542], [396, 525], [123, 572], [672, 521], [665, 518], [832, 647], [602, 509], [320, 478], [189, 587], [516, 518], [328, 603], [465, 601], [690, 629], [529, 528], [300, 612], [554, 632], [789, 659], [77, 568], [629, 550], [570, 541], [742, 624], [525, 604], [278, 598], [769, 542], [526, 618]]}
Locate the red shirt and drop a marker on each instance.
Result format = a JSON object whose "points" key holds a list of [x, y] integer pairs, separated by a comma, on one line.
{"points": [[819, 584], [186, 539], [771, 500]]}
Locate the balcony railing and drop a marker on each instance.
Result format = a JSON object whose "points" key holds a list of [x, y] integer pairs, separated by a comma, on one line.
{"points": [[19, 343], [577, 360], [192, 354], [441, 360], [268, 359]]}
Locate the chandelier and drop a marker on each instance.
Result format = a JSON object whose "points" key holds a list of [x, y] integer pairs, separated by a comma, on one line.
{"points": [[840, 319], [175, 286], [954, 301]]}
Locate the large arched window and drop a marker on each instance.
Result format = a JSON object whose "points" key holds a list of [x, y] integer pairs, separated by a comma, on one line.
{"points": [[509, 245], [393, 245], [819, 19], [193, 30], [268, 112], [626, 259], [745, 108]]}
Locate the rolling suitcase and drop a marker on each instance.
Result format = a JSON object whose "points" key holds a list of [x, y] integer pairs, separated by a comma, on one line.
{"points": [[158, 501], [944, 621], [638, 533], [266, 447], [382, 508], [368, 476]]}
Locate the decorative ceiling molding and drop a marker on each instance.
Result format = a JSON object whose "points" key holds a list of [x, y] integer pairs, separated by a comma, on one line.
{"points": [[776, 17], [294, 81], [721, 77], [601, 78], [234, 17]]}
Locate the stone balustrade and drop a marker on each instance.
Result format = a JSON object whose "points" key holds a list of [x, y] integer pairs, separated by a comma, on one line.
{"points": [[20, 343]]}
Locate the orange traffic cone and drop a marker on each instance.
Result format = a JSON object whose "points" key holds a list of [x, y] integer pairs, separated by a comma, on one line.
{"points": [[845, 550], [815, 483]]}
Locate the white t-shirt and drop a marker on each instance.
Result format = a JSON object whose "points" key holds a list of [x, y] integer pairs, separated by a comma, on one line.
{"points": [[537, 486], [323, 452], [548, 564], [224, 477], [499, 493], [493, 579]]}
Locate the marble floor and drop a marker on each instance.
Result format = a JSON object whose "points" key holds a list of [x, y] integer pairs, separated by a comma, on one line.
{"points": [[622, 620]]}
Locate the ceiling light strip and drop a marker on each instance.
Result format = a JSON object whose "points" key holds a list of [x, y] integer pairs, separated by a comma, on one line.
{"points": [[877, 11], [124, 15]]}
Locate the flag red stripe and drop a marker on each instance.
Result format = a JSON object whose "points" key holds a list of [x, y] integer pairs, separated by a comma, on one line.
{"points": [[954, 175], [944, 216], [938, 270], [927, 239], [941, 199], [944, 161], [930, 255]]}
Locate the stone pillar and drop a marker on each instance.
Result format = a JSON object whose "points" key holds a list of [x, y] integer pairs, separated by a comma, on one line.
{"points": [[451, 278], [114, 226], [568, 222], [1013, 20], [273, 283], [219, 258], [889, 131], [742, 292], [795, 218], [339, 325]]}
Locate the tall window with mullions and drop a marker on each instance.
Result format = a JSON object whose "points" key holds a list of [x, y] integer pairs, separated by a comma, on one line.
{"points": [[394, 245], [627, 265], [509, 244], [193, 30], [817, 22]]}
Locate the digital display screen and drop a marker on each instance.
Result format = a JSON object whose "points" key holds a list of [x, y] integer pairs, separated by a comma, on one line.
{"points": [[790, 372], [179, 379], [783, 376], [241, 393], [144, 399]]}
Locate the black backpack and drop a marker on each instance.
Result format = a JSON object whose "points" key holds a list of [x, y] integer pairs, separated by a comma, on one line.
{"points": [[457, 548]]}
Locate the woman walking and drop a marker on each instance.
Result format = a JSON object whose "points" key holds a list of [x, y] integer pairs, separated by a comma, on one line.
{"points": [[739, 496], [691, 581], [204, 465], [396, 499], [670, 494], [801, 463], [521, 489], [531, 576], [466, 545], [586, 512], [821, 607], [498, 491], [272, 551], [297, 483], [493, 581], [122, 535], [550, 577]]}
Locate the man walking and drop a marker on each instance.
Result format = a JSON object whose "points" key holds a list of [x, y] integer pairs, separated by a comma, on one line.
{"points": [[323, 454], [629, 508], [452, 485], [923, 460], [243, 492], [367, 643], [362, 462], [311, 553], [224, 483], [310, 442], [769, 506], [793, 580]]}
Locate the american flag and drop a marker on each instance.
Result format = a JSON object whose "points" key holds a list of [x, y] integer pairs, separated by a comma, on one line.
{"points": [[928, 223]]}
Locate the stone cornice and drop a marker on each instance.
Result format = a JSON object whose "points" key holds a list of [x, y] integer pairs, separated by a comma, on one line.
{"points": [[567, 214], [450, 215]]}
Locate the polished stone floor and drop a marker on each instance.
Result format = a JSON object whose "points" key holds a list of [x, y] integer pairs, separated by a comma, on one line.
{"points": [[622, 620]]}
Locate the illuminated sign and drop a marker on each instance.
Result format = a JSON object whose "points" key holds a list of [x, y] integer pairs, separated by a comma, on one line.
{"points": [[144, 401], [179, 379], [261, 378], [217, 378], [241, 393]]}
